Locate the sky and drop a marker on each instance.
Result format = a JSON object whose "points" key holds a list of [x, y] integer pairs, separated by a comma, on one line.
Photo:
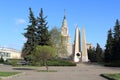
{"points": [[96, 16]]}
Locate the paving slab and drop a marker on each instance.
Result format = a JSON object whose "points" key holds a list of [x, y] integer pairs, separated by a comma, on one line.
{"points": [[80, 72]]}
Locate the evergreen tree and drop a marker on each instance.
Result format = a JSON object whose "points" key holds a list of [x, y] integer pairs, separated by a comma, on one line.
{"points": [[43, 36], [98, 53], [30, 35], [92, 55], [116, 42], [109, 44]]}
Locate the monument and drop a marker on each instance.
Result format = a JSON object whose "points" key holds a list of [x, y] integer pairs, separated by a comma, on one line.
{"points": [[79, 49], [80, 55], [84, 47]]}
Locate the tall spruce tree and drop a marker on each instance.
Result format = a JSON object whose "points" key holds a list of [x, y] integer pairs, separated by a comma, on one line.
{"points": [[92, 54], [30, 35], [116, 42], [109, 45], [43, 36], [98, 53]]}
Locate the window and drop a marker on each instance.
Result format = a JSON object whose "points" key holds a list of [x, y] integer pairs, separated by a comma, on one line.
{"points": [[4, 54]]}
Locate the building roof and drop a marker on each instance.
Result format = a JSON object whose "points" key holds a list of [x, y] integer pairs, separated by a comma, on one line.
{"points": [[9, 49]]}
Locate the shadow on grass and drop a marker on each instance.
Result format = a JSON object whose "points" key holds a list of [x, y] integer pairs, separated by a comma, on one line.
{"points": [[22, 69], [46, 70]]}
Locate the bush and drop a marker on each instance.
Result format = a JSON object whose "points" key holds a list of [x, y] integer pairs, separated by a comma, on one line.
{"points": [[13, 62], [59, 62], [113, 64], [42, 54], [1, 60]]}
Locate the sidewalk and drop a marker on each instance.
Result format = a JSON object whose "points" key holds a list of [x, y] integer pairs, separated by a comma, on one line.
{"points": [[80, 72]]}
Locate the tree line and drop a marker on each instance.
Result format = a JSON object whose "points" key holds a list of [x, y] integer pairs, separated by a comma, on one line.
{"points": [[41, 44], [112, 51], [111, 54], [95, 54], [37, 34]]}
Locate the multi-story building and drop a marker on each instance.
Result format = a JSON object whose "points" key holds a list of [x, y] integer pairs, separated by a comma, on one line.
{"points": [[9, 53], [90, 46], [65, 36]]}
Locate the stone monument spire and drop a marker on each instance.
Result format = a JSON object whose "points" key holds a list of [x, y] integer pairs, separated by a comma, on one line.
{"points": [[84, 47], [77, 48]]}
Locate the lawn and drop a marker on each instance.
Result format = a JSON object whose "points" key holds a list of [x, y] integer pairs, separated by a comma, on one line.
{"points": [[25, 66], [112, 76], [6, 74]]}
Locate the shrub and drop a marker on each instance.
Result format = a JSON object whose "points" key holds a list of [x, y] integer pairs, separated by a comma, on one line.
{"points": [[13, 62], [60, 62], [113, 64], [1, 60]]}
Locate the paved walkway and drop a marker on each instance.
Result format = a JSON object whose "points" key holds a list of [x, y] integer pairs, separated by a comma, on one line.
{"points": [[80, 72]]}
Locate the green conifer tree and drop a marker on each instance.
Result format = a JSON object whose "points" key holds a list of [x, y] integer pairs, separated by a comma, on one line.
{"points": [[43, 36], [99, 53], [109, 45], [116, 42], [92, 55], [30, 35]]}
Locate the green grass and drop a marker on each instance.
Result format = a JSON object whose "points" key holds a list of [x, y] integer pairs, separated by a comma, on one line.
{"points": [[47, 71], [60, 62], [112, 76], [26, 66], [6, 74]]}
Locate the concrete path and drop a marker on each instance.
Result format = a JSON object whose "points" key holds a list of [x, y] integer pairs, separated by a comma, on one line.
{"points": [[80, 72]]}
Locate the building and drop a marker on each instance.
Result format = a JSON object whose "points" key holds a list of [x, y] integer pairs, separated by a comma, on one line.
{"points": [[65, 37], [90, 46], [79, 47], [9, 53]]}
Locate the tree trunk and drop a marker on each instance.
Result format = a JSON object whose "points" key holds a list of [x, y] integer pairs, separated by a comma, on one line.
{"points": [[46, 65]]}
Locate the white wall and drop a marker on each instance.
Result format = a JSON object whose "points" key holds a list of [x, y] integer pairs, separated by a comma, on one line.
{"points": [[8, 53]]}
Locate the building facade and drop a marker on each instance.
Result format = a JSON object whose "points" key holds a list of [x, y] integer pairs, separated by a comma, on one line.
{"points": [[79, 48], [90, 46], [65, 37], [9, 53]]}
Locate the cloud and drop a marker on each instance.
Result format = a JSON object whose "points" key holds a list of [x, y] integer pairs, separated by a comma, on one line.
{"points": [[20, 21], [24, 39]]}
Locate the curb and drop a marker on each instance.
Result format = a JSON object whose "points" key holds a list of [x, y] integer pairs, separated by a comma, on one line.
{"points": [[107, 77], [8, 77]]}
